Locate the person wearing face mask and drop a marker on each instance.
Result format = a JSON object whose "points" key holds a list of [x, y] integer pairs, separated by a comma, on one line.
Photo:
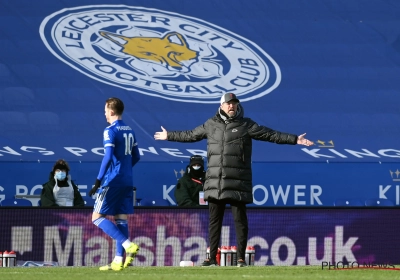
{"points": [[60, 190], [229, 137], [191, 184]]}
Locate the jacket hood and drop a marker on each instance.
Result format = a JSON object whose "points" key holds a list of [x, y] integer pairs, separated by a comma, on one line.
{"points": [[187, 173]]}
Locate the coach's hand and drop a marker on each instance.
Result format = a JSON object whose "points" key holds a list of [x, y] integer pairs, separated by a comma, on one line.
{"points": [[94, 189], [161, 135]]}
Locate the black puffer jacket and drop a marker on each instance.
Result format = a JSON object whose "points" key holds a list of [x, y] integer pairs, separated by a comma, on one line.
{"points": [[187, 190], [229, 149]]}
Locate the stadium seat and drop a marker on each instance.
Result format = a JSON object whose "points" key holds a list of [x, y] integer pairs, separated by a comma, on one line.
{"points": [[379, 202], [45, 122], [348, 202], [89, 201], [6, 77], [51, 99], [19, 99], [84, 96], [69, 120], [16, 202], [14, 123], [154, 202]]}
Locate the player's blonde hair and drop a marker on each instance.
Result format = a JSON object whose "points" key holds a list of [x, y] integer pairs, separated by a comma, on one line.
{"points": [[115, 104]]}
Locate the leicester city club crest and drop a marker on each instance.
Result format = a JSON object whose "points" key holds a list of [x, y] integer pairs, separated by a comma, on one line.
{"points": [[159, 53]]}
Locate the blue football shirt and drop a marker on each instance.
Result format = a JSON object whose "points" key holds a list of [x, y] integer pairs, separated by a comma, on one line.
{"points": [[122, 139]]}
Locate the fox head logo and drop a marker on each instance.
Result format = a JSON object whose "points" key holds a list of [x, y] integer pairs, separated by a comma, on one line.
{"points": [[170, 51]]}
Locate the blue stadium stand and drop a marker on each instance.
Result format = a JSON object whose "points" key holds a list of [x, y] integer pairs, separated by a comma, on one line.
{"points": [[51, 99], [47, 123], [348, 202], [19, 99], [326, 68], [5, 74], [16, 202], [154, 202], [89, 201], [14, 124], [379, 202]]}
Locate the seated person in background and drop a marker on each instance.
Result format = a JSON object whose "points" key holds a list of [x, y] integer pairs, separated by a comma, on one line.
{"points": [[60, 190], [192, 182]]}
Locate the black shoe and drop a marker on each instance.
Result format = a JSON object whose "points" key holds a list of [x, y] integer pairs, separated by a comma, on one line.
{"points": [[241, 263], [209, 262]]}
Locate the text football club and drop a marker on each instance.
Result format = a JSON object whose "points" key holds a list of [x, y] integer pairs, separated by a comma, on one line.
{"points": [[159, 53]]}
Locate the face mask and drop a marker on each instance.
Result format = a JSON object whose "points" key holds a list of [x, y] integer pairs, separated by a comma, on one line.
{"points": [[196, 167], [196, 173], [61, 175]]}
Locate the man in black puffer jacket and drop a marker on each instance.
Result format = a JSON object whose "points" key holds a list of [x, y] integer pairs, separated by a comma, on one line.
{"points": [[229, 176]]}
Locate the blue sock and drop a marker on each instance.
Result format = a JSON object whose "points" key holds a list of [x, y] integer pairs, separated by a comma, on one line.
{"points": [[122, 225], [110, 229]]}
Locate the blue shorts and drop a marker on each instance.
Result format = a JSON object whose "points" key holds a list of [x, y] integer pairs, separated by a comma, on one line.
{"points": [[114, 200]]}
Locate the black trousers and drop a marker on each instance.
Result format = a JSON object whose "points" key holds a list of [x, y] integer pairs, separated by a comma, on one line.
{"points": [[239, 212]]}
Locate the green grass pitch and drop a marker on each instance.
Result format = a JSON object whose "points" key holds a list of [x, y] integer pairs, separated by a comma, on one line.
{"points": [[195, 273]]}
